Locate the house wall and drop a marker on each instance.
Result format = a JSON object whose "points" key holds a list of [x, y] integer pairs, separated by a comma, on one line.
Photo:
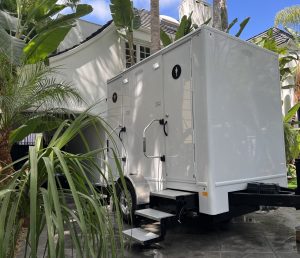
{"points": [[77, 34], [202, 11], [88, 67]]}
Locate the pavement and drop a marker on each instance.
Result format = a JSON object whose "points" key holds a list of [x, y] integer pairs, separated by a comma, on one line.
{"points": [[260, 234]]}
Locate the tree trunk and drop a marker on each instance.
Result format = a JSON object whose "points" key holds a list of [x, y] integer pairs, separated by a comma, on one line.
{"points": [[220, 15], [5, 157], [129, 37], [224, 15], [155, 26]]}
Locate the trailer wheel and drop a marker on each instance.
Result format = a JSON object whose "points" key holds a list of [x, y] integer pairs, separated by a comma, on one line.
{"points": [[127, 203]]}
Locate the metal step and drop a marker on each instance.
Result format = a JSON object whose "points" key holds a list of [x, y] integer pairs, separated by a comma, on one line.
{"points": [[171, 194], [153, 214], [140, 235]]}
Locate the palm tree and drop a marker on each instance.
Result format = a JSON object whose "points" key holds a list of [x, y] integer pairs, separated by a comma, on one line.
{"points": [[28, 34], [155, 26], [289, 17], [126, 20], [34, 193], [220, 15], [28, 29], [27, 93]]}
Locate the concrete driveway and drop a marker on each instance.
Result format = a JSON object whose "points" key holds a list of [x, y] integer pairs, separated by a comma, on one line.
{"points": [[260, 234]]}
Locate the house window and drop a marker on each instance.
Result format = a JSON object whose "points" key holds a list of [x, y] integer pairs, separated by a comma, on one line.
{"points": [[127, 54], [140, 53], [144, 52]]}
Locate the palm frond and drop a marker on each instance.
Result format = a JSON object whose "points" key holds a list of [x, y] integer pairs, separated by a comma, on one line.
{"points": [[289, 17], [93, 230], [33, 88]]}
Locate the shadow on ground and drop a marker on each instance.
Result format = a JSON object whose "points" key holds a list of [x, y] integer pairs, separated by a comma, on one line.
{"points": [[257, 235], [261, 234]]}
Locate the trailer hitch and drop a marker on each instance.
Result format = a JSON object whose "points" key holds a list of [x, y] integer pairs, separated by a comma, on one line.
{"points": [[283, 198]]}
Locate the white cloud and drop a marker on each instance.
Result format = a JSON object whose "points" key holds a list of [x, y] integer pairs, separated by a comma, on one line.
{"points": [[142, 4], [163, 4], [169, 3], [101, 13], [101, 10]]}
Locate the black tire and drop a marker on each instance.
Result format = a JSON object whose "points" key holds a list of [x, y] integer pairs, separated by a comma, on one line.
{"points": [[126, 210]]}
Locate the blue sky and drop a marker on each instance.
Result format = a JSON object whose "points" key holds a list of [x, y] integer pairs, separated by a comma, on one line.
{"points": [[262, 12]]}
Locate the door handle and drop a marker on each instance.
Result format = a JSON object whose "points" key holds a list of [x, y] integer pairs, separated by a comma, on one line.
{"points": [[123, 130], [161, 122]]}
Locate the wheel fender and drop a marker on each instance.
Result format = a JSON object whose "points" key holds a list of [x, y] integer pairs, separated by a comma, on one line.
{"points": [[141, 188]]}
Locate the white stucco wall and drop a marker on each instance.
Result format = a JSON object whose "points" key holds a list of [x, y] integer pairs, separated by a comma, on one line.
{"points": [[202, 11], [88, 67], [78, 33]]}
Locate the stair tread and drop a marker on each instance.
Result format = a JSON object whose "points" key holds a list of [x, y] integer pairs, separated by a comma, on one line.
{"points": [[153, 214], [171, 194], [140, 235]]}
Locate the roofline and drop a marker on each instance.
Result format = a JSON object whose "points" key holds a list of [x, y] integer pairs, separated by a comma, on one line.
{"points": [[90, 22], [89, 40], [95, 36], [257, 36], [85, 43]]}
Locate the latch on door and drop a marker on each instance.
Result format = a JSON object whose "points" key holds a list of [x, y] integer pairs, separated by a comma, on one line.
{"points": [[123, 130]]}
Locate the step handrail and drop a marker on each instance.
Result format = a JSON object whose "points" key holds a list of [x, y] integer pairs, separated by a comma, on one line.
{"points": [[161, 122]]}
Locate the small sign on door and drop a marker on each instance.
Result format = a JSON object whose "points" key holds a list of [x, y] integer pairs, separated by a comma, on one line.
{"points": [[176, 72]]}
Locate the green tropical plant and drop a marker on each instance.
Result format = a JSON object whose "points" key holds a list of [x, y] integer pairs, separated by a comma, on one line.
{"points": [[291, 136], [28, 30], [35, 192], [289, 17], [126, 20], [243, 25], [286, 57], [28, 95], [287, 67], [28, 34], [186, 26]]}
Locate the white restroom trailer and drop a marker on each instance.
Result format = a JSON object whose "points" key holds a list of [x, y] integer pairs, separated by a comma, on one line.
{"points": [[203, 117]]}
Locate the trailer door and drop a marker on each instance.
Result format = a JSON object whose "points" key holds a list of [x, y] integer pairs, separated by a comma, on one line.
{"points": [[178, 105], [115, 121], [143, 103]]}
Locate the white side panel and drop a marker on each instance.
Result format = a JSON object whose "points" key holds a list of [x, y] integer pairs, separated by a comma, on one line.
{"points": [[143, 100], [245, 132], [178, 101], [199, 73]]}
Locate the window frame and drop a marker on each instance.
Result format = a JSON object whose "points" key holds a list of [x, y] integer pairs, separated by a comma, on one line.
{"points": [[138, 45]]}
